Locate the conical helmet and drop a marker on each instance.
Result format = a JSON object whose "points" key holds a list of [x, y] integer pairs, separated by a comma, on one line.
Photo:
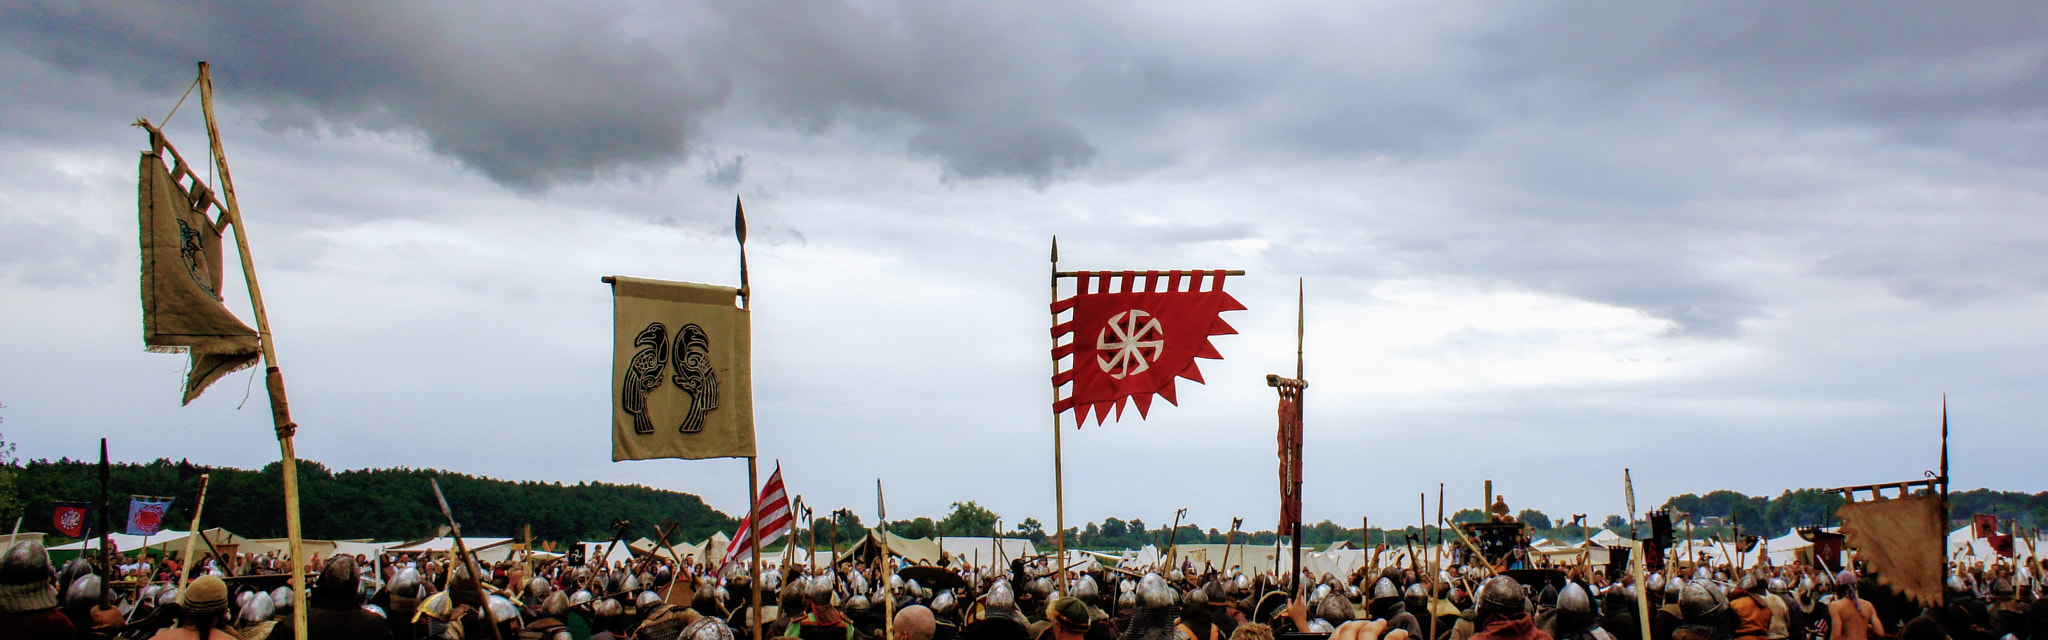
{"points": [[1502, 593], [1385, 588], [1334, 609], [1574, 599], [1153, 591]]}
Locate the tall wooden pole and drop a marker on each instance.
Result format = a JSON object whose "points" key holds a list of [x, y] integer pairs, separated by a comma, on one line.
{"points": [[476, 569], [185, 566], [1944, 494], [754, 546], [1637, 563], [106, 568], [273, 383], [1059, 482]]}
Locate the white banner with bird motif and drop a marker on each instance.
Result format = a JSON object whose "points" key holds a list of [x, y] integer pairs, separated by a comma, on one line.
{"points": [[682, 378]]}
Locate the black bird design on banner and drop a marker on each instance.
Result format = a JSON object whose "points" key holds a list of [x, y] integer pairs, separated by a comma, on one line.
{"points": [[694, 375], [643, 374]]}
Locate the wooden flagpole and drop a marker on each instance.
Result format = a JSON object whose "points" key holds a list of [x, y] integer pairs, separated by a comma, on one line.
{"points": [[739, 224], [185, 566], [280, 410], [1059, 483]]}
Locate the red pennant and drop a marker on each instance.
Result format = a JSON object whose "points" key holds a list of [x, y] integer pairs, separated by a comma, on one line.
{"points": [[1134, 333]]}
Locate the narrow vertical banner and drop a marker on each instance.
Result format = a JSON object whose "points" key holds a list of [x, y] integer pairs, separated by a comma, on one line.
{"points": [[682, 376]]}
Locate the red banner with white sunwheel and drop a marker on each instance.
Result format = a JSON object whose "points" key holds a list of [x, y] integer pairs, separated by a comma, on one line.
{"points": [[1135, 333]]}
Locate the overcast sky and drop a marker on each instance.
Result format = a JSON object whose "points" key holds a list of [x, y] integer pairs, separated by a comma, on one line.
{"points": [[1724, 244]]}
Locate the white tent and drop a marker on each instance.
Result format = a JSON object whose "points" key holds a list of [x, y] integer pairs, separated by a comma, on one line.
{"points": [[984, 552]]}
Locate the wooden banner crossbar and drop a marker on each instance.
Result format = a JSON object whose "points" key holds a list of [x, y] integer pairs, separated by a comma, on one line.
{"points": [[1877, 490]]}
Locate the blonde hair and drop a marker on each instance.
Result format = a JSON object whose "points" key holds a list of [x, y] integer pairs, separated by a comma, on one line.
{"points": [[1253, 631]]}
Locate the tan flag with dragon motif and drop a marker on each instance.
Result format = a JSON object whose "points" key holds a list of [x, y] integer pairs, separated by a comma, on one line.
{"points": [[682, 377], [181, 274]]}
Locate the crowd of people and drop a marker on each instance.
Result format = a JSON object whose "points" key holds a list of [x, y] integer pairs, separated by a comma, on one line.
{"points": [[652, 598]]}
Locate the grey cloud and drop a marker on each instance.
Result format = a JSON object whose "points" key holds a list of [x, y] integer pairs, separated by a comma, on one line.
{"points": [[725, 174], [47, 253], [525, 93]]}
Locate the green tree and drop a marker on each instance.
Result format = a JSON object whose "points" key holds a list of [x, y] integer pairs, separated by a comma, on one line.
{"points": [[1033, 529], [1613, 521], [1534, 518], [968, 519], [1468, 515], [1115, 530]]}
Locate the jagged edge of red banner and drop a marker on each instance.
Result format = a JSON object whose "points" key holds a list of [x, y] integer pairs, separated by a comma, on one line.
{"points": [[1143, 400]]}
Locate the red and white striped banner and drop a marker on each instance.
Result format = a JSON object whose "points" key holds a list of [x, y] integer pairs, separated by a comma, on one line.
{"points": [[776, 519]]}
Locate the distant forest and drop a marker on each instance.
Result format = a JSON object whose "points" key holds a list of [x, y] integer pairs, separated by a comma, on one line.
{"points": [[382, 504], [398, 504]]}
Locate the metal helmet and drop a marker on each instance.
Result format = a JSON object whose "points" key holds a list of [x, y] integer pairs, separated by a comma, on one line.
{"points": [[69, 574], [1321, 591], [1000, 596], [259, 608], [147, 596], [406, 583], [1805, 583], [538, 587], [1352, 592], [340, 575], [1242, 583], [1701, 574], [1698, 604], [555, 605], [581, 597], [1175, 575], [1127, 600], [707, 629], [895, 583], [1153, 591], [857, 604], [1334, 609], [1955, 584], [1502, 594], [1655, 583], [1675, 587], [26, 565], [283, 597], [1086, 588], [1385, 588], [771, 580], [242, 599], [632, 583], [1749, 582], [647, 600], [856, 582], [1319, 626], [500, 608], [85, 592], [438, 606], [377, 610], [607, 608], [945, 602], [1779, 585], [913, 588], [1574, 599], [167, 596]]}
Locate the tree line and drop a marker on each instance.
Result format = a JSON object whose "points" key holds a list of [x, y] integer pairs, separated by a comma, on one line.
{"points": [[379, 504]]}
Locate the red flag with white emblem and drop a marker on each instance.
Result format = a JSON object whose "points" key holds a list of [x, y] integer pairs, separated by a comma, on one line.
{"points": [[1134, 334]]}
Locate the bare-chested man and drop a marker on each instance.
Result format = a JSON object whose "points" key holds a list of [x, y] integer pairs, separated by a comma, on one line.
{"points": [[1851, 617]]}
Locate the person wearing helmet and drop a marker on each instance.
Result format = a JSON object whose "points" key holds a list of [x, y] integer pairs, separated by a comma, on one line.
{"points": [[204, 603], [1503, 612], [1575, 617], [334, 610], [1784, 616], [1388, 604], [999, 617], [28, 595]]}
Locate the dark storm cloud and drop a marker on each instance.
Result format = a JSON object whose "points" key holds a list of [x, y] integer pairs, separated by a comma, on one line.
{"points": [[529, 94]]}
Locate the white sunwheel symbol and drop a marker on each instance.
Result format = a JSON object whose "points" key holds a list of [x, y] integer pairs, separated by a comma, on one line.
{"points": [[1130, 334]]}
